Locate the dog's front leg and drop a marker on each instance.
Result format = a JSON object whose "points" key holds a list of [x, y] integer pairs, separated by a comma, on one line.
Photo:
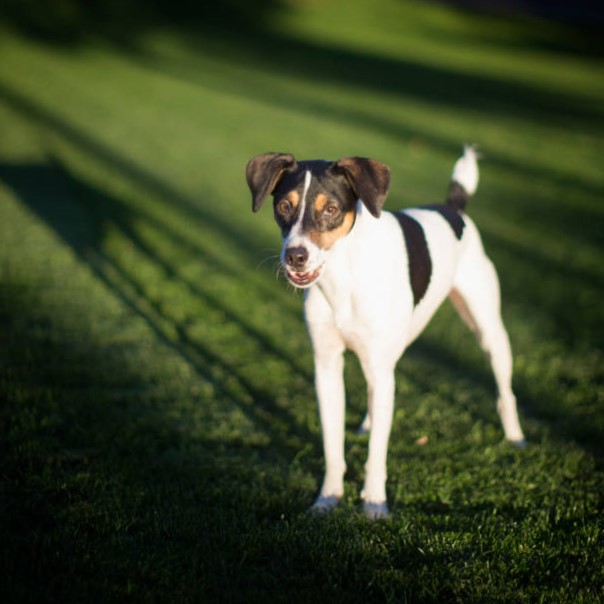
{"points": [[381, 390], [328, 349], [329, 379]]}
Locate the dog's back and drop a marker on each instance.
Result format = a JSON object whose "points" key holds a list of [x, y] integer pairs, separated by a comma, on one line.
{"points": [[434, 240]]}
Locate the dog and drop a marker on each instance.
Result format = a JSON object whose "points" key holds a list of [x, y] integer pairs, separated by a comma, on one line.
{"points": [[373, 279]]}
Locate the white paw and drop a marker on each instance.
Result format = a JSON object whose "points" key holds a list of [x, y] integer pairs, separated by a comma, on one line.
{"points": [[324, 504], [365, 427], [376, 511]]}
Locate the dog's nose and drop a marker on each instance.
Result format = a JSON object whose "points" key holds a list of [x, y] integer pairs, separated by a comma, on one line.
{"points": [[296, 257]]}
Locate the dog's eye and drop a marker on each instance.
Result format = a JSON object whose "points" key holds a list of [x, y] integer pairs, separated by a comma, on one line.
{"points": [[332, 210], [284, 207]]}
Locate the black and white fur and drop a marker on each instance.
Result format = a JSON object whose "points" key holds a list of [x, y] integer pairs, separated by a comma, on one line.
{"points": [[372, 282]]}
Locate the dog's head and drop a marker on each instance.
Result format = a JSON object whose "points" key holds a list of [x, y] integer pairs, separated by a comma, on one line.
{"points": [[315, 204]]}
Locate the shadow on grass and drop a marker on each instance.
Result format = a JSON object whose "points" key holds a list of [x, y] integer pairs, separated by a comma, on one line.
{"points": [[25, 180], [103, 496], [424, 82], [172, 519], [239, 33], [568, 296], [280, 56], [79, 213], [240, 238], [60, 199], [541, 402]]}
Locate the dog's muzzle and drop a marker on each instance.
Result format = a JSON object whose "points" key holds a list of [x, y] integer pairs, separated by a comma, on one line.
{"points": [[296, 267]]}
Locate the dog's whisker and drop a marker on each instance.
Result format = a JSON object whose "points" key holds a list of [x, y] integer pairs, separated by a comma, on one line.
{"points": [[271, 258], [278, 270]]}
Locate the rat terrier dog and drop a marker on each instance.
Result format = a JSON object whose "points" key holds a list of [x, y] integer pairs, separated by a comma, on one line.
{"points": [[372, 282]]}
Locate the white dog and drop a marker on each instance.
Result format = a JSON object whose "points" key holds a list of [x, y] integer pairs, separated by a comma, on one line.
{"points": [[373, 280]]}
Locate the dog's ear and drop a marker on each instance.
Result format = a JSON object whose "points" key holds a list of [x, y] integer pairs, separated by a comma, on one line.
{"points": [[369, 179], [263, 173]]}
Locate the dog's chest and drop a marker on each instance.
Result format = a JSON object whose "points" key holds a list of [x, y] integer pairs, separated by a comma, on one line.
{"points": [[366, 296]]}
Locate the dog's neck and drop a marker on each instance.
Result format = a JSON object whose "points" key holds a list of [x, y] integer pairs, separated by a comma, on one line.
{"points": [[337, 280]]}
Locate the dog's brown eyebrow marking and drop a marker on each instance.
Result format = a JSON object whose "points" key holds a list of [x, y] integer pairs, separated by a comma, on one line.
{"points": [[293, 197], [321, 201], [420, 263]]}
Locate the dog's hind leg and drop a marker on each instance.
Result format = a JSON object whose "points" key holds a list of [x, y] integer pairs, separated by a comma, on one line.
{"points": [[476, 297]]}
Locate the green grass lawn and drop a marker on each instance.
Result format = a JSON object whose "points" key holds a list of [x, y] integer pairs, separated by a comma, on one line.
{"points": [[159, 438]]}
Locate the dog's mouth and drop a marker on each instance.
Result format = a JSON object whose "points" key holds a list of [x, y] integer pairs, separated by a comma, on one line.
{"points": [[302, 280]]}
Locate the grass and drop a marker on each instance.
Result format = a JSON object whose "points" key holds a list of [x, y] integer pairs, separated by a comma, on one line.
{"points": [[160, 441]]}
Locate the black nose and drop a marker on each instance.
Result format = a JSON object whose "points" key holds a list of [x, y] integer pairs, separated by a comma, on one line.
{"points": [[296, 257]]}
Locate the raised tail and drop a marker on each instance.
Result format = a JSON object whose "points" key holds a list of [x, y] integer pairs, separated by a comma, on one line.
{"points": [[464, 179]]}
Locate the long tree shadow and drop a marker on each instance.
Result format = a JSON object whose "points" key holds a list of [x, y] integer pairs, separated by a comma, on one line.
{"points": [[240, 238], [575, 321], [534, 401], [219, 32], [80, 221], [280, 54], [27, 181], [101, 487], [536, 25]]}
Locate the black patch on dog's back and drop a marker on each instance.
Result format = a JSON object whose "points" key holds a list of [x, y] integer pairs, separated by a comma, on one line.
{"points": [[420, 264], [452, 216]]}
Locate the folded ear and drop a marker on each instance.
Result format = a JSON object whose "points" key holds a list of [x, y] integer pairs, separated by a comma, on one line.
{"points": [[263, 173], [369, 179]]}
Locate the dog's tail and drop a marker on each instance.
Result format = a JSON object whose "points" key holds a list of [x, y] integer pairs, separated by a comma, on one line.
{"points": [[464, 179]]}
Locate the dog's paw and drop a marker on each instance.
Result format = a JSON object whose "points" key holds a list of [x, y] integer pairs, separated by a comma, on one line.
{"points": [[324, 504], [376, 511], [365, 426], [362, 430], [520, 443]]}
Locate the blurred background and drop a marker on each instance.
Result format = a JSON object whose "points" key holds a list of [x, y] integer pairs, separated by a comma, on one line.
{"points": [[73, 20]]}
